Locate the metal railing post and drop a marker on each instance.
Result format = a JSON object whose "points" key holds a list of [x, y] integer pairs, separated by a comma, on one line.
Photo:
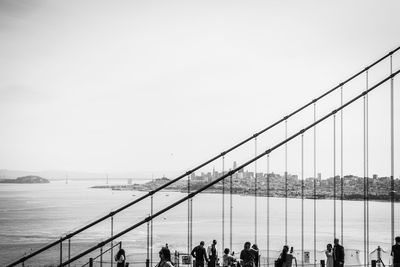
{"points": [[91, 262]]}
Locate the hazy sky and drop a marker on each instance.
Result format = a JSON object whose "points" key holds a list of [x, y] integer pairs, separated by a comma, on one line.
{"points": [[119, 86]]}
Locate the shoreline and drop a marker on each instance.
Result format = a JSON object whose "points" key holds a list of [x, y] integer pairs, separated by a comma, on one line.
{"points": [[243, 193]]}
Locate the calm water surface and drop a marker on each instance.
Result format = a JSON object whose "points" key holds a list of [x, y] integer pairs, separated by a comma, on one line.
{"points": [[34, 215]]}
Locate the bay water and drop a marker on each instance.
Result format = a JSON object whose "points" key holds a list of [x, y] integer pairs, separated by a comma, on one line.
{"points": [[32, 215]]}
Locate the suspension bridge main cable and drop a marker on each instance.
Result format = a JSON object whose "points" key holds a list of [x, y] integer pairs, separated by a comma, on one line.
{"points": [[70, 235], [231, 172]]}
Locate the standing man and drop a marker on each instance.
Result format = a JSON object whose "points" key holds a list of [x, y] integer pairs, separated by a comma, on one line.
{"points": [[338, 254], [199, 253], [212, 254], [396, 252], [246, 256]]}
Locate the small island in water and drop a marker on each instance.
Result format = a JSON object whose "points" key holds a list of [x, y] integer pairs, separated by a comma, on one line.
{"points": [[30, 179]]}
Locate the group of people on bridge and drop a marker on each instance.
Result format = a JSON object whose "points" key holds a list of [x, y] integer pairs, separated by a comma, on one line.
{"points": [[250, 256]]}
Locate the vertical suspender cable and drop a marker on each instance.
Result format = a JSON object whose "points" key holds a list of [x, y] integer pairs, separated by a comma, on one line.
{"points": [[315, 188], [191, 227], [286, 183], [341, 166], [230, 212], [223, 206], [112, 234], [151, 230], [366, 164], [188, 218], [391, 151], [148, 245], [255, 191], [302, 200], [334, 175], [268, 176], [365, 187]]}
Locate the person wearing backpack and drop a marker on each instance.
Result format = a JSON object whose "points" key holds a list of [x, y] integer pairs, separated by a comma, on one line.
{"points": [[165, 258]]}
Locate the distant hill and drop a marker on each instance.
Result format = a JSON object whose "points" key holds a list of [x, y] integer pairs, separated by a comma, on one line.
{"points": [[30, 179]]}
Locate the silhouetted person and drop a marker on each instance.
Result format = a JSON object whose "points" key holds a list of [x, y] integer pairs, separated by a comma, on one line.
{"points": [[338, 254], [212, 254], [289, 258], [396, 252], [120, 258], [329, 255], [246, 256], [282, 257], [200, 254], [227, 260], [256, 255], [165, 258]]}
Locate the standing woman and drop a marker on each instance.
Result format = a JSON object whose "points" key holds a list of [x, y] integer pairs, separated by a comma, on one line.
{"points": [[120, 258], [165, 258], [329, 255]]}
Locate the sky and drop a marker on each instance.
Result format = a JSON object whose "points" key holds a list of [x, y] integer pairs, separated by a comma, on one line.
{"points": [[161, 86]]}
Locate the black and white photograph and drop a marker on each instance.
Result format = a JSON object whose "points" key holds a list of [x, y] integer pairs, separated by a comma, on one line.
{"points": [[187, 133]]}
